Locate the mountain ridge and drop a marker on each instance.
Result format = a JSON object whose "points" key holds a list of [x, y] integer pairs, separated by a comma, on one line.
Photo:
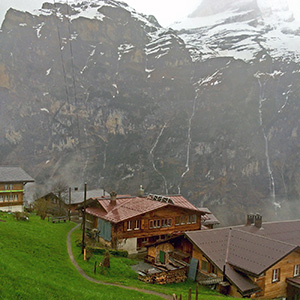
{"points": [[120, 101]]}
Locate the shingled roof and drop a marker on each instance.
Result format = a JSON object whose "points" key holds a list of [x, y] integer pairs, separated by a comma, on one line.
{"points": [[247, 250], [127, 207], [209, 218], [14, 174]]}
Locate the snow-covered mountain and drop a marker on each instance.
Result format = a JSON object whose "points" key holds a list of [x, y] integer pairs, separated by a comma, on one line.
{"points": [[94, 91], [241, 29]]}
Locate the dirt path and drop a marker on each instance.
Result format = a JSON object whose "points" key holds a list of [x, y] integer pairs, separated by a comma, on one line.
{"points": [[70, 252]]}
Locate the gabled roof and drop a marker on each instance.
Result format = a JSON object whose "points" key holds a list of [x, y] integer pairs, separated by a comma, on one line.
{"points": [[127, 207], [209, 218], [245, 252], [285, 231], [14, 174]]}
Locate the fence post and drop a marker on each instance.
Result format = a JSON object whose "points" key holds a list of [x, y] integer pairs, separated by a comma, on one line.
{"points": [[180, 297], [196, 292], [190, 294], [174, 297], [95, 267]]}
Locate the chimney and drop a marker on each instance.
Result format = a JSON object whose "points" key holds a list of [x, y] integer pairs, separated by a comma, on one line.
{"points": [[141, 191], [113, 197], [258, 221], [250, 219]]}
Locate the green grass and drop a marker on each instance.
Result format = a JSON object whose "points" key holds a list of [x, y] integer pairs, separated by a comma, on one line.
{"points": [[34, 264], [120, 272]]}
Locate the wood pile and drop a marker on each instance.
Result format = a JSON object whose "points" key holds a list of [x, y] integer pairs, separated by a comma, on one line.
{"points": [[174, 271]]}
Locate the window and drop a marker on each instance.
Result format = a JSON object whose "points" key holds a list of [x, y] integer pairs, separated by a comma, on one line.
{"points": [[188, 219], [169, 222], [194, 219], [129, 225], [10, 186], [275, 276], [214, 270], [137, 224], [183, 219], [6, 198], [10, 197], [151, 224], [6, 187], [158, 223], [296, 270], [15, 197], [177, 220], [1, 198], [204, 265]]}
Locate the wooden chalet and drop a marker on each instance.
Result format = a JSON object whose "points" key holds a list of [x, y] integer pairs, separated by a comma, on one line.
{"points": [[12, 182], [71, 201], [257, 260], [130, 223], [208, 220]]}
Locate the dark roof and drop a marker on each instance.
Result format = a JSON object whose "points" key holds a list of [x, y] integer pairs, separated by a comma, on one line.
{"points": [[285, 231], [209, 218], [246, 251], [127, 207], [295, 281], [14, 174], [244, 284], [255, 254]]}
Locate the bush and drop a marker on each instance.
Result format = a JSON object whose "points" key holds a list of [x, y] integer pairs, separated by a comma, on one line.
{"points": [[102, 251], [21, 216]]}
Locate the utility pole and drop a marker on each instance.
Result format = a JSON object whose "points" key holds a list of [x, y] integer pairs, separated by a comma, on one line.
{"points": [[83, 220], [69, 204]]}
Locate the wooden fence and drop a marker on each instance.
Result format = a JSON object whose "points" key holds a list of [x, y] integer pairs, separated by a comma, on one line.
{"points": [[175, 297]]}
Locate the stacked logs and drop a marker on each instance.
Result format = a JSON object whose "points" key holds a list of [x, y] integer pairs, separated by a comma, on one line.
{"points": [[163, 274]]}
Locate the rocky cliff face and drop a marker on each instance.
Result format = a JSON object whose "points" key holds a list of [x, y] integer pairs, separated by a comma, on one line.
{"points": [[97, 92]]}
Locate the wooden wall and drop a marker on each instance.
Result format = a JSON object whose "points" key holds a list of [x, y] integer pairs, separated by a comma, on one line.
{"points": [[154, 251], [15, 187], [159, 214], [199, 255], [279, 288]]}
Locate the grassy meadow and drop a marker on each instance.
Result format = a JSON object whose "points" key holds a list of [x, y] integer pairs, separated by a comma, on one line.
{"points": [[34, 264]]}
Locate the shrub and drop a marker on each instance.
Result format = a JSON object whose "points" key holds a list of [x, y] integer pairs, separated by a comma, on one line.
{"points": [[23, 216], [102, 251]]}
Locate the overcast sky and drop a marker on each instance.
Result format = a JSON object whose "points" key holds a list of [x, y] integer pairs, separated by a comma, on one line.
{"points": [[166, 11]]}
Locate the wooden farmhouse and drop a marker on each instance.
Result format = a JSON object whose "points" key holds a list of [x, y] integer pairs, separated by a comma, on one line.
{"points": [[12, 182], [70, 201], [129, 223], [208, 220], [256, 260]]}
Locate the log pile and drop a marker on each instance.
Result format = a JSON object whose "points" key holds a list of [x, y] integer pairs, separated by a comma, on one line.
{"points": [[174, 271]]}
